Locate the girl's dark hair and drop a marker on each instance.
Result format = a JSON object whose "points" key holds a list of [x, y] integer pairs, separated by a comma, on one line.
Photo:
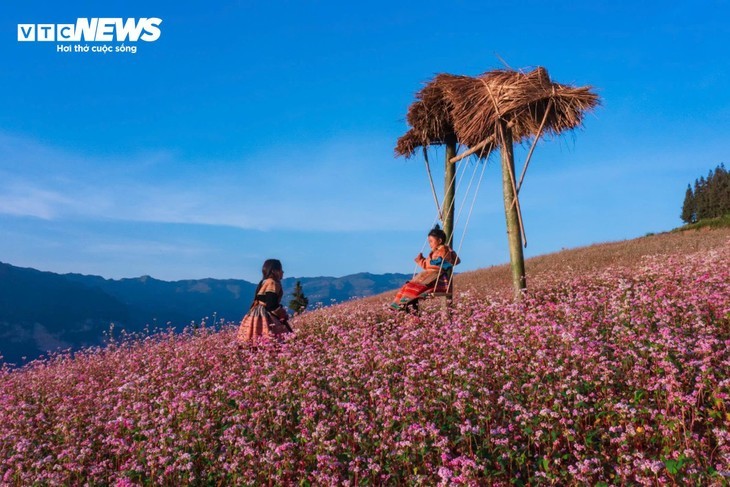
{"points": [[438, 233], [267, 270], [270, 266]]}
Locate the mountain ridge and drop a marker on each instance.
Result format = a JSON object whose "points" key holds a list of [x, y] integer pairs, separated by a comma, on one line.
{"points": [[42, 311]]}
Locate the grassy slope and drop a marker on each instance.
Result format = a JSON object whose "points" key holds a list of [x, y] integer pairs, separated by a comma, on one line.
{"points": [[496, 280]]}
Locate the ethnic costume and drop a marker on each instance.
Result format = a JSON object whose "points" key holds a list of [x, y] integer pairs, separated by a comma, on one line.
{"points": [[266, 317], [433, 279]]}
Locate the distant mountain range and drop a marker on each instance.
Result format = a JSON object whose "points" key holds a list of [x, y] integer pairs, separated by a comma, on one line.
{"points": [[43, 311]]}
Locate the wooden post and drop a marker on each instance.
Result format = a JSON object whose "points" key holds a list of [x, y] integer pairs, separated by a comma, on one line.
{"points": [[449, 190], [517, 259]]}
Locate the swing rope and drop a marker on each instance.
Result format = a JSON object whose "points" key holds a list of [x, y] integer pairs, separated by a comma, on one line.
{"points": [[439, 216], [456, 221], [463, 233], [468, 190], [468, 217]]}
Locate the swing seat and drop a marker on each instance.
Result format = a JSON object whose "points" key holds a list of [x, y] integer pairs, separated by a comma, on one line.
{"points": [[441, 300], [448, 295], [445, 292]]}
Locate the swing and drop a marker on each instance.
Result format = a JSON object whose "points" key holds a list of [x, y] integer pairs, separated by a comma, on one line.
{"points": [[445, 295]]}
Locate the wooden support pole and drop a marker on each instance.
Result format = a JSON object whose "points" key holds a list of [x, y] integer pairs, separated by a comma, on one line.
{"points": [[449, 190], [514, 237]]}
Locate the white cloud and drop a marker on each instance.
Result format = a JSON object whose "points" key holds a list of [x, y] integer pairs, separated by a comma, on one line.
{"points": [[146, 248], [344, 186], [22, 198]]}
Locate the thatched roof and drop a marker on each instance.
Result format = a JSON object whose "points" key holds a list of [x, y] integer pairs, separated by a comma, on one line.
{"points": [[470, 108]]}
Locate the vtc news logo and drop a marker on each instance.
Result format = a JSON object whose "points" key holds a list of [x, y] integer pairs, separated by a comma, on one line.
{"points": [[93, 29]]}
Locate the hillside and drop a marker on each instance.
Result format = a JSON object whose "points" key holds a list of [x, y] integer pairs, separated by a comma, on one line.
{"points": [[496, 280], [43, 311], [613, 370]]}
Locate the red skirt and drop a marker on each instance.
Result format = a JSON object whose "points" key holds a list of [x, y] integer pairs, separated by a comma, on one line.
{"points": [[259, 324], [414, 290]]}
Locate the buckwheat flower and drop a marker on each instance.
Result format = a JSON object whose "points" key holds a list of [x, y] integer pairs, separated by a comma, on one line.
{"points": [[445, 474]]}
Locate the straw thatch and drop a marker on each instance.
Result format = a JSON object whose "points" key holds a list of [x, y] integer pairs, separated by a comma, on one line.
{"points": [[471, 108], [429, 116]]}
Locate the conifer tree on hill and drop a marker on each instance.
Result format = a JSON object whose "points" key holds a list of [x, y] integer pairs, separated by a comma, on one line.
{"points": [[710, 197], [689, 215], [300, 301]]}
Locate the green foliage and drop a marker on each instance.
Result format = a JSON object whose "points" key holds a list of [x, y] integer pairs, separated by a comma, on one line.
{"points": [[674, 467], [689, 215], [719, 222], [300, 301], [710, 197]]}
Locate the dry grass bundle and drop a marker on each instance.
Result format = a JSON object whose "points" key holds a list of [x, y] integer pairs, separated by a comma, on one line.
{"points": [[408, 143], [471, 108], [429, 116]]}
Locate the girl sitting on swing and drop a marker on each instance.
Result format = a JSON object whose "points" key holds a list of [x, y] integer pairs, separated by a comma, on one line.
{"points": [[436, 274]]}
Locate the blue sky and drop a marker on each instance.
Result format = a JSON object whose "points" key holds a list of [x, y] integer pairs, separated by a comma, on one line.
{"points": [[252, 130]]}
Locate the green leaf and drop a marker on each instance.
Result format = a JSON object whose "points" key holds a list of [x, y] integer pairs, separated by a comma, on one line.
{"points": [[672, 466]]}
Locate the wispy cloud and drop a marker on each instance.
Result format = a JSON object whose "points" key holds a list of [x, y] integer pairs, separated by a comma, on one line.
{"points": [[347, 186], [23, 198], [141, 248]]}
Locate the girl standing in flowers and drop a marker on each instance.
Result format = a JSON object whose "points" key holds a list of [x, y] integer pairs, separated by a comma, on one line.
{"points": [[266, 317], [436, 274]]}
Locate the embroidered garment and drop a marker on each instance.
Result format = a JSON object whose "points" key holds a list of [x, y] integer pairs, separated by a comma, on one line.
{"points": [[435, 277], [266, 317]]}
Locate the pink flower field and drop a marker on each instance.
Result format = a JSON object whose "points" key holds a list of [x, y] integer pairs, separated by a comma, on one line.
{"points": [[617, 378]]}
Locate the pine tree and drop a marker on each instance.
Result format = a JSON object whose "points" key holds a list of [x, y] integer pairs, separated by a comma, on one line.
{"points": [[724, 190], [300, 301], [717, 189], [688, 208], [713, 206], [701, 199], [710, 197]]}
